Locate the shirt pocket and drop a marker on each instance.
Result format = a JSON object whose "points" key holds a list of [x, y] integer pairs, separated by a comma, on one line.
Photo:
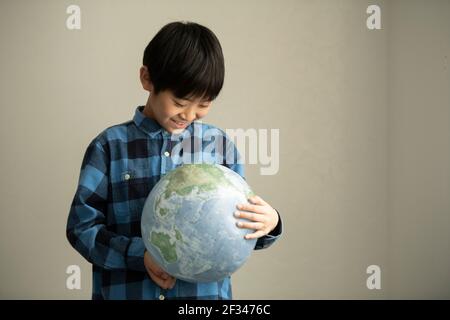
{"points": [[129, 194]]}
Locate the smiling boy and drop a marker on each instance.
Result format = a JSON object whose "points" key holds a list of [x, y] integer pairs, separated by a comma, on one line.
{"points": [[183, 71]]}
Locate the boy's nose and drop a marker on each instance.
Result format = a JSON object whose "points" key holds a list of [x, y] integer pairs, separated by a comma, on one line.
{"points": [[188, 116]]}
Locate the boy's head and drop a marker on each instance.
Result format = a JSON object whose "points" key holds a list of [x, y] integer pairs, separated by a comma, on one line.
{"points": [[183, 69]]}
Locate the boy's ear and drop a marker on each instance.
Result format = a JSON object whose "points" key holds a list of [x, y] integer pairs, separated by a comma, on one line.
{"points": [[145, 79]]}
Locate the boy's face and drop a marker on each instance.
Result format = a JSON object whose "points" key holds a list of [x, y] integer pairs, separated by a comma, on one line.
{"points": [[172, 113]]}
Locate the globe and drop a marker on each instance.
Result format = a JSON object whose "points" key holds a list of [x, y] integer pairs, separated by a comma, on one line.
{"points": [[188, 224]]}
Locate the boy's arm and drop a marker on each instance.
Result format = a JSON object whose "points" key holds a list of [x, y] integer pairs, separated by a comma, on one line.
{"points": [[234, 162], [86, 229]]}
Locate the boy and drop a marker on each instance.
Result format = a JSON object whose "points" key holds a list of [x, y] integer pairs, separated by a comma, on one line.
{"points": [[183, 71]]}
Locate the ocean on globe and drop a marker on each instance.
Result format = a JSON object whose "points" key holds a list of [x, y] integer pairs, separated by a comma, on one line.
{"points": [[188, 223]]}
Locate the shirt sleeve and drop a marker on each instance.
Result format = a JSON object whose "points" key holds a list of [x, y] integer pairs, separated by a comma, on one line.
{"points": [[86, 229], [233, 161]]}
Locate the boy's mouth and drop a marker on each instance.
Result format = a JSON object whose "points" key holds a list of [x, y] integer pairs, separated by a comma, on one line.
{"points": [[179, 124]]}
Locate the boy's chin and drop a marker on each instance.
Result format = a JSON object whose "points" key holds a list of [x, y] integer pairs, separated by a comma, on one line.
{"points": [[175, 131]]}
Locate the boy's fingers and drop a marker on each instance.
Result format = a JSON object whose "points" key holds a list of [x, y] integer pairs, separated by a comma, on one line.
{"points": [[170, 283], [259, 200], [160, 277], [250, 225], [167, 283], [250, 207], [164, 276], [166, 279], [255, 200], [161, 273], [255, 235], [246, 206], [156, 279], [249, 216]]}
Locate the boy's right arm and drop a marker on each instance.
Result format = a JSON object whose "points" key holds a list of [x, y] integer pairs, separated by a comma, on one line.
{"points": [[86, 229]]}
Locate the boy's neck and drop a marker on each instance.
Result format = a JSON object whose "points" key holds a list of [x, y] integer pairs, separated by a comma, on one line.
{"points": [[148, 110]]}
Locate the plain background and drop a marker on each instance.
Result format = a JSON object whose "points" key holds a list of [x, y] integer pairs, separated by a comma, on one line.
{"points": [[364, 119]]}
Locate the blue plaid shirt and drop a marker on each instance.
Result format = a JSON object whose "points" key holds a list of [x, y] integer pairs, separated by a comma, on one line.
{"points": [[119, 169]]}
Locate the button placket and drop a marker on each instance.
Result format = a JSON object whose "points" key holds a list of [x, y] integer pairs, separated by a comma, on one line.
{"points": [[165, 155]]}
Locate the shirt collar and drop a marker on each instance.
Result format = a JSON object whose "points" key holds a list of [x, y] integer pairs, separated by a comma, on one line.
{"points": [[146, 124]]}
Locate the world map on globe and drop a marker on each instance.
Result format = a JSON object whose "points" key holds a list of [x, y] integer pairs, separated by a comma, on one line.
{"points": [[188, 224]]}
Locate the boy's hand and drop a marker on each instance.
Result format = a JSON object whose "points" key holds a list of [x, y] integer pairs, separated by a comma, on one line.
{"points": [[158, 275], [264, 218]]}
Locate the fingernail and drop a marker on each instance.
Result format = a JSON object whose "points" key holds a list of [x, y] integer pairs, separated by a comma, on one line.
{"points": [[239, 224], [237, 214]]}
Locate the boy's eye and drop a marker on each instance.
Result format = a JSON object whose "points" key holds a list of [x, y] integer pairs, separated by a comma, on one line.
{"points": [[206, 105], [182, 105]]}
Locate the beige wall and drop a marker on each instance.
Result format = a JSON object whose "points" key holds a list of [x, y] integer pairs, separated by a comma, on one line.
{"points": [[419, 149], [364, 135]]}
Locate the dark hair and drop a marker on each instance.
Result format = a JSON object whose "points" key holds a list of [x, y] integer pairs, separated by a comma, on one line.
{"points": [[187, 59]]}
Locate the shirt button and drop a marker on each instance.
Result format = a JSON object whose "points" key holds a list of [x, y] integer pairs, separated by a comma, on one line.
{"points": [[167, 153], [161, 297], [127, 176]]}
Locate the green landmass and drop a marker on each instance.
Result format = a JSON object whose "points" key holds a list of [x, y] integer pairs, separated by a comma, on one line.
{"points": [[205, 177], [162, 242]]}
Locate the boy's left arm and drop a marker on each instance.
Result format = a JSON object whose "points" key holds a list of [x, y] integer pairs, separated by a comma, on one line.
{"points": [[264, 219]]}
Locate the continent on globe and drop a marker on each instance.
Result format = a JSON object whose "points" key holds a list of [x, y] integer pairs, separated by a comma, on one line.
{"points": [[188, 224]]}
